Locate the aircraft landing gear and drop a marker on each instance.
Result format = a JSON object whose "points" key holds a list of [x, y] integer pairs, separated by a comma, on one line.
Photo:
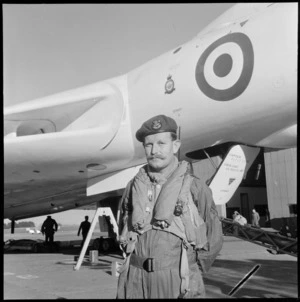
{"points": [[12, 229], [104, 245]]}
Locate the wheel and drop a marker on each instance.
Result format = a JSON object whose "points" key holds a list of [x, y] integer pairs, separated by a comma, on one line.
{"points": [[96, 244], [105, 245], [35, 248]]}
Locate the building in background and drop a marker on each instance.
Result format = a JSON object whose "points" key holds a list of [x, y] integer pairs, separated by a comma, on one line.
{"points": [[269, 187], [281, 182]]}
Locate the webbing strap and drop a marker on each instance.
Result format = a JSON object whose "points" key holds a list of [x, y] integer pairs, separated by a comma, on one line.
{"points": [[184, 270]]}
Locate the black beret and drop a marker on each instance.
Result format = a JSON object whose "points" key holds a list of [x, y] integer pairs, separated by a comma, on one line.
{"points": [[156, 124]]}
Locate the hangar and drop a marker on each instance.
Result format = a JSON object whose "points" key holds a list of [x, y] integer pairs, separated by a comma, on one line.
{"points": [[269, 187]]}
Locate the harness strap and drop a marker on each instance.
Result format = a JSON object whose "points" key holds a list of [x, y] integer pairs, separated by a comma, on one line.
{"points": [[184, 270]]}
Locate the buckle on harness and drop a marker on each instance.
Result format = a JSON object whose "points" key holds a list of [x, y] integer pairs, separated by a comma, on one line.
{"points": [[148, 265]]}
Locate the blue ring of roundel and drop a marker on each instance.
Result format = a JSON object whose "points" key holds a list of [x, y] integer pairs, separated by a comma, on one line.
{"points": [[241, 84]]}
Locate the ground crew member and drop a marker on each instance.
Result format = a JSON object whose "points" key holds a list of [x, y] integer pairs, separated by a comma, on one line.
{"points": [[84, 227], [169, 226], [238, 218], [255, 219], [235, 214], [49, 227]]}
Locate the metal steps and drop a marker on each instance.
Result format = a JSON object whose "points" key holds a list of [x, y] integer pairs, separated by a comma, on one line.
{"points": [[278, 243]]}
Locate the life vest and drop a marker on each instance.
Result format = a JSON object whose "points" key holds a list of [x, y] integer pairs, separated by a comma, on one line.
{"points": [[187, 224]]}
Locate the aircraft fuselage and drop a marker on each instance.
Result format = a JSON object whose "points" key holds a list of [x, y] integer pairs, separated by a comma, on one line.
{"points": [[234, 82]]}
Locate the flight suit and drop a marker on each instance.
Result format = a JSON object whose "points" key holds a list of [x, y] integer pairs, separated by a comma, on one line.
{"points": [[167, 263]]}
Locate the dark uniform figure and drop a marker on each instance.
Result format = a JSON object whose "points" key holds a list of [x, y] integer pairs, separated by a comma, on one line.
{"points": [[169, 226], [49, 227], [84, 227]]}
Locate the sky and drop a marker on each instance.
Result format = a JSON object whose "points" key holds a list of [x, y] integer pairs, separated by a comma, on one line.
{"points": [[49, 48]]}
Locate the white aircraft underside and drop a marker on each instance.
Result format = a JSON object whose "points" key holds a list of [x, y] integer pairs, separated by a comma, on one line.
{"points": [[234, 82]]}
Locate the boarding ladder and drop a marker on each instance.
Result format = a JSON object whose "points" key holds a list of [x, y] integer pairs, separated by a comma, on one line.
{"points": [[271, 240], [100, 212]]}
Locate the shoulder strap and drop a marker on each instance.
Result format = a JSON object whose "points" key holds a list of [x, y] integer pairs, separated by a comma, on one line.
{"points": [[186, 188]]}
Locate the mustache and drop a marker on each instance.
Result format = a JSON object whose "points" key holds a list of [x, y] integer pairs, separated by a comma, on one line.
{"points": [[156, 156]]}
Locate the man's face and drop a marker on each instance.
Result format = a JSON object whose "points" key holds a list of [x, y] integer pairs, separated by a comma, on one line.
{"points": [[160, 150]]}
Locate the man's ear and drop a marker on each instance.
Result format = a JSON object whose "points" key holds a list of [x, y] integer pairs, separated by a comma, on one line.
{"points": [[176, 146]]}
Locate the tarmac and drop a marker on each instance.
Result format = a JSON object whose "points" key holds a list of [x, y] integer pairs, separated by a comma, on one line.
{"points": [[52, 275]]}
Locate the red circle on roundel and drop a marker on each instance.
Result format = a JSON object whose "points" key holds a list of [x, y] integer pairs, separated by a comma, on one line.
{"points": [[243, 81]]}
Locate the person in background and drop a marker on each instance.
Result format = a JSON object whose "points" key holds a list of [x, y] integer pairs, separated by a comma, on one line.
{"points": [[84, 228], [255, 219], [268, 221], [49, 227], [169, 225], [235, 214], [238, 218]]}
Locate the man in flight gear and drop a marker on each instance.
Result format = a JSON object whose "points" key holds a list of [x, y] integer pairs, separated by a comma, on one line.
{"points": [[84, 227], [169, 226], [48, 228]]}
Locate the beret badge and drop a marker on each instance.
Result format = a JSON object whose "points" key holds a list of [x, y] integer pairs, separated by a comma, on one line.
{"points": [[156, 124]]}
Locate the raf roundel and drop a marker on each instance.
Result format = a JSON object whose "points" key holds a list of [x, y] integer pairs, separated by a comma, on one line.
{"points": [[224, 69]]}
